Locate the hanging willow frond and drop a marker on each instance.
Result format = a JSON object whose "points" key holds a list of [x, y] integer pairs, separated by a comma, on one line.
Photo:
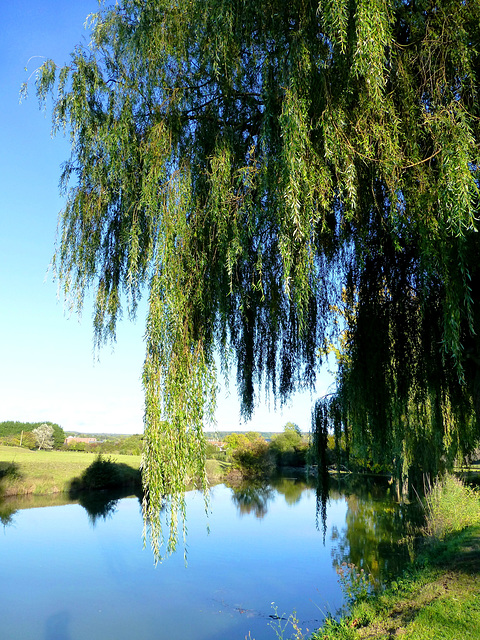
{"points": [[246, 162]]}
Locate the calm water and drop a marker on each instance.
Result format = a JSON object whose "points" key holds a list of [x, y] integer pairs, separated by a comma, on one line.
{"points": [[70, 575]]}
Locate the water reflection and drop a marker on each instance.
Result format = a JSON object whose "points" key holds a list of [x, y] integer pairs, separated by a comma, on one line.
{"points": [[8, 470], [6, 514], [263, 547], [102, 504], [250, 497], [291, 488], [375, 536], [253, 497]]}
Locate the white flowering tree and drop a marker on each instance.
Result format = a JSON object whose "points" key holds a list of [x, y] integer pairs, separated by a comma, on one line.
{"points": [[44, 436]]}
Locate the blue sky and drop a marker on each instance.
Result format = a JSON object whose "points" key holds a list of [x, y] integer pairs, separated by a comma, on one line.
{"points": [[47, 367]]}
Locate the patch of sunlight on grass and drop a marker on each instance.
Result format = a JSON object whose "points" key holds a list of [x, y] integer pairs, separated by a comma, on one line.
{"points": [[451, 619]]}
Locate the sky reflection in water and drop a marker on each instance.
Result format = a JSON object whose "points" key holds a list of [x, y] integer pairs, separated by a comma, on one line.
{"points": [[68, 575]]}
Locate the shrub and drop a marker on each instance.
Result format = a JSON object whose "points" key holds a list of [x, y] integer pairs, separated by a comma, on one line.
{"points": [[253, 459], [103, 473], [355, 583], [289, 448], [9, 470]]}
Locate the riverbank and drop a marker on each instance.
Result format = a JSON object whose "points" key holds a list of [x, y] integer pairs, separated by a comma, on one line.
{"points": [[25, 472], [438, 596], [437, 599]]}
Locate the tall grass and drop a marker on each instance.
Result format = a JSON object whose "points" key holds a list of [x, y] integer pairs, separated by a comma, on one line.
{"points": [[450, 506]]}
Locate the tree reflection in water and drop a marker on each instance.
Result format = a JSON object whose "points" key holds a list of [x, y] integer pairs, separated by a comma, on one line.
{"points": [[291, 488], [6, 514], [378, 533], [102, 504], [7, 470], [252, 497]]}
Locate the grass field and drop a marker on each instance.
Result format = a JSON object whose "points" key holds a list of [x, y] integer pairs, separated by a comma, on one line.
{"points": [[44, 472]]}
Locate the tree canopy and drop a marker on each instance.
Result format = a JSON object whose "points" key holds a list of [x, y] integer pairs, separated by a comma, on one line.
{"points": [[281, 175], [44, 436]]}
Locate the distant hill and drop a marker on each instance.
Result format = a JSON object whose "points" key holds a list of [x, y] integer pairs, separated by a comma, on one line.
{"points": [[220, 435], [99, 435], [210, 435]]}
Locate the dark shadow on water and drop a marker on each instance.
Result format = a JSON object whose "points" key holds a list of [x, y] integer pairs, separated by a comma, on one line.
{"points": [[323, 492], [58, 626], [102, 504]]}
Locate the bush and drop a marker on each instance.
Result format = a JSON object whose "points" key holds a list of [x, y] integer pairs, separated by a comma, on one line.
{"points": [[9, 470], [103, 473], [253, 459], [450, 506], [289, 448]]}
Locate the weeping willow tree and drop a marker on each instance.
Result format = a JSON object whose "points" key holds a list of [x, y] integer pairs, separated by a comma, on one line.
{"points": [[255, 166]]}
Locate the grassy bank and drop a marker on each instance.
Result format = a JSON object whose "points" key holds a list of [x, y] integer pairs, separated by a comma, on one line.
{"points": [[43, 472], [438, 597], [25, 472]]}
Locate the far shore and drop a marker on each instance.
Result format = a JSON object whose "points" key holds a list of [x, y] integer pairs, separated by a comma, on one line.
{"points": [[52, 472]]}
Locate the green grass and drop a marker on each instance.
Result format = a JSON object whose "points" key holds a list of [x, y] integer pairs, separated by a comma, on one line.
{"points": [[217, 469], [44, 472], [437, 600]]}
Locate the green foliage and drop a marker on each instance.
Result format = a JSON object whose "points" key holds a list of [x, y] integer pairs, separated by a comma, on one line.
{"points": [[434, 598], [289, 448], [253, 459], [58, 435], [245, 161], [234, 441], [105, 473], [450, 506], [10, 429], [9, 470], [133, 445], [356, 583]]}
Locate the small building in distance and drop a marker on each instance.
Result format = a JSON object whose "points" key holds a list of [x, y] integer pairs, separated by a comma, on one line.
{"points": [[70, 439]]}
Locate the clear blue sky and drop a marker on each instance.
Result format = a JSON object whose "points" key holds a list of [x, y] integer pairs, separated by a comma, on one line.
{"points": [[47, 367]]}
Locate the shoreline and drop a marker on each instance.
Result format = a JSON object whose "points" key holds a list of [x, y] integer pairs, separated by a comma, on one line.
{"points": [[437, 596]]}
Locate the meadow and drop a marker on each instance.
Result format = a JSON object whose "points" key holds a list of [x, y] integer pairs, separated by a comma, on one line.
{"points": [[24, 472]]}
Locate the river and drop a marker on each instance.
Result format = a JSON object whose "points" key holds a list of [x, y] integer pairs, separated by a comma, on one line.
{"points": [[261, 555]]}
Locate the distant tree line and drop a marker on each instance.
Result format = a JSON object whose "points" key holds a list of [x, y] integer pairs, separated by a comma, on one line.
{"points": [[250, 454], [253, 456], [221, 435], [17, 433], [27, 434], [108, 443]]}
